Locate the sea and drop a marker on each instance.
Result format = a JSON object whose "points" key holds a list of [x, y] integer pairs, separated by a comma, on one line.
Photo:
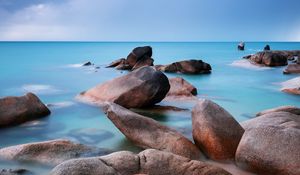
{"points": [[53, 71]]}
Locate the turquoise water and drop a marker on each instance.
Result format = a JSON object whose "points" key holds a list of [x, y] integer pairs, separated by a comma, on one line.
{"points": [[50, 70]]}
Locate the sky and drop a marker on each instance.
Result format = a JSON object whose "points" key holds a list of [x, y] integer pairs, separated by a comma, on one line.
{"points": [[149, 20]]}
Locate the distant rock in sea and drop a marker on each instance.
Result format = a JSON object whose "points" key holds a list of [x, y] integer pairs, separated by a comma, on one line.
{"points": [[267, 47], [241, 46]]}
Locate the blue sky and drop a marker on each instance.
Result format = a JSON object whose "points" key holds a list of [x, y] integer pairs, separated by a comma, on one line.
{"points": [[145, 20]]}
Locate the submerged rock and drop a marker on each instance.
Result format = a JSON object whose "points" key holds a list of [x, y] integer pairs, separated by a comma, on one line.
{"points": [[186, 67], [49, 152], [215, 131], [18, 110], [140, 88], [15, 172], [148, 133], [149, 162], [292, 68], [270, 144], [290, 109]]}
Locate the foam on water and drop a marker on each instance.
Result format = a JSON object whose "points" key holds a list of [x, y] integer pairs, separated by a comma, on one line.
{"points": [[40, 89], [292, 83], [247, 65], [62, 104]]}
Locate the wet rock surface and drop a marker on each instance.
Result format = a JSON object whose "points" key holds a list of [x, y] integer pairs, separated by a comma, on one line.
{"points": [[148, 133], [215, 131], [18, 110], [146, 162], [140, 88]]}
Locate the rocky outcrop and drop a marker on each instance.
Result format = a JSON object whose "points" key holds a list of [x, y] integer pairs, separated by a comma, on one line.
{"points": [[291, 109], [148, 133], [139, 57], [146, 162], [292, 69], [186, 67], [182, 89], [17, 110], [215, 131], [140, 88], [268, 58], [50, 152], [270, 144]]}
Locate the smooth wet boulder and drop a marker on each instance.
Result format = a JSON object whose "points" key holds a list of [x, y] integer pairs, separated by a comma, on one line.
{"points": [[292, 69], [51, 152], [291, 109], [18, 110], [291, 86], [269, 58], [270, 144], [139, 53], [148, 133], [294, 91], [140, 88], [144, 62], [215, 131], [150, 161], [116, 62], [186, 67]]}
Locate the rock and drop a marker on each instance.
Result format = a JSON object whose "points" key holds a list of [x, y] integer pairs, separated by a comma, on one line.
{"points": [[139, 53], [241, 46], [270, 144], [292, 68], [186, 67], [267, 47], [123, 66], [140, 88], [269, 58], [50, 152], [87, 64], [180, 87], [295, 91], [215, 131], [18, 110], [116, 62], [291, 86], [146, 162], [144, 62], [148, 133], [291, 109], [14, 172]]}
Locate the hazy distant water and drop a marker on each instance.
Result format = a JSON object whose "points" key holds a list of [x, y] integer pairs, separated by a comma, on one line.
{"points": [[50, 69]]}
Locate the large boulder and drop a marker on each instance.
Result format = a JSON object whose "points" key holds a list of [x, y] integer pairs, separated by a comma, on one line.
{"points": [[270, 144], [180, 87], [140, 88], [138, 57], [215, 131], [148, 133], [146, 162], [17, 110], [290, 109], [269, 58], [186, 67], [51, 152], [292, 68]]}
